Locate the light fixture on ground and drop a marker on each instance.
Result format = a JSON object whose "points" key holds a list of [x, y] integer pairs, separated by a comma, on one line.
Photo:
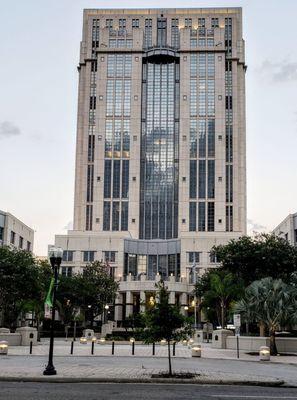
{"points": [[196, 350], [264, 353], [3, 347], [55, 255]]}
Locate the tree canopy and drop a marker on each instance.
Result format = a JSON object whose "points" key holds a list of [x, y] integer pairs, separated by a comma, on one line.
{"points": [[164, 321], [218, 289], [272, 302], [254, 258]]}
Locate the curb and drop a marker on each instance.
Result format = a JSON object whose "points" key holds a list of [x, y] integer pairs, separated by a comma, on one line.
{"points": [[205, 381]]}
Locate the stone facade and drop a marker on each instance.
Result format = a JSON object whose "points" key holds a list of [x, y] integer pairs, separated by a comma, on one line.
{"points": [[287, 229], [161, 112], [15, 233]]}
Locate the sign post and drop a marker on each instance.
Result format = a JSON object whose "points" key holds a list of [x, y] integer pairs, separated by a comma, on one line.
{"points": [[237, 324]]}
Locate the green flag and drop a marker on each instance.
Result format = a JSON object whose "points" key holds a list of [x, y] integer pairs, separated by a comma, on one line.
{"points": [[48, 304]]}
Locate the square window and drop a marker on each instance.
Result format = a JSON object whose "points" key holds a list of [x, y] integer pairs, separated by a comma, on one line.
{"points": [[220, 179], [220, 137], [220, 97], [183, 221], [134, 138], [185, 58], [136, 58], [220, 58], [136, 97], [98, 178], [97, 220], [184, 138], [220, 221], [102, 58], [185, 97], [184, 179], [133, 220], [134, 178], [100, 97]]}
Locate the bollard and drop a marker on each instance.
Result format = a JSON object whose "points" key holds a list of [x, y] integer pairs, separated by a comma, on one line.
{"points": [[112, 348], [71, 348], [92, 351], [264, 353], [31, 347], [173, 351], [153, 348], [133, 348]]}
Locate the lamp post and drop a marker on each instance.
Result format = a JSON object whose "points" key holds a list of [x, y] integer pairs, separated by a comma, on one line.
{"points": [[55, 255]]}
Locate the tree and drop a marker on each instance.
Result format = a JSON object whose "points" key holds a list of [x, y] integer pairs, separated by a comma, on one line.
{"points": [[254, 258], [218, 289], [272, 302], [93, 289], [164, 321], [19, 283]]}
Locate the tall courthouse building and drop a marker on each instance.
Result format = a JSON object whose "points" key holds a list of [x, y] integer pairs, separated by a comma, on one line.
{"points": [[160, 154]]}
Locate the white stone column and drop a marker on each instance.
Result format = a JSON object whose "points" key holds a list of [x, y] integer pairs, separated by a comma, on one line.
{"points": [[118, 307], [172, 298], [129, 304], [183, 303], [142, 301]]}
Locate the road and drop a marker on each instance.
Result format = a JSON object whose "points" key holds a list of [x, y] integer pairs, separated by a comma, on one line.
{"points": [[78, 391]]}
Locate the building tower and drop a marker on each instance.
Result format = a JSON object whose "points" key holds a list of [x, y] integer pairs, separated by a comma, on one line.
{"points": [[160, 155]]}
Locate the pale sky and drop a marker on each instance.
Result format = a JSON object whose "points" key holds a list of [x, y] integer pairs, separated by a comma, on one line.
{"points": [[39, 51]]}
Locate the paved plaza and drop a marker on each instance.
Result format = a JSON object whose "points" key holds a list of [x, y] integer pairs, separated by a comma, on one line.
{"points": [[215, 366]]}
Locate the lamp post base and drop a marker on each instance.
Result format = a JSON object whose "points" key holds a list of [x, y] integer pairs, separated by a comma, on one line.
{"points": [[50, 370]]}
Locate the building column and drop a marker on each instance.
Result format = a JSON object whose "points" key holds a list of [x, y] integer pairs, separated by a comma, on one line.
{"points": [[118, 307], [183, 303], [172, 298], [129, 304], [142, 301]]}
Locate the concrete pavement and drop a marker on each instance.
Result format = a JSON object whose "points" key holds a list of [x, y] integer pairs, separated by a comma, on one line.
{"points": [[215, 366]]}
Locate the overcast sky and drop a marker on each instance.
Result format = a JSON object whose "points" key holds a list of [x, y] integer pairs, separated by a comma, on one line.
{"points": [[39, 51]]}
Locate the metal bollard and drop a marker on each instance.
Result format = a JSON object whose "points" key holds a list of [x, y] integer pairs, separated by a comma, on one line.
{"points": [[133, 348], [31, 347], [153, 348], [71, 348], [92, 351], [112, 348], [173, 349]]}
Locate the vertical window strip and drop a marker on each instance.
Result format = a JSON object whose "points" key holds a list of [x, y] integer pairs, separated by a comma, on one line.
{"points": [[192, 216]]}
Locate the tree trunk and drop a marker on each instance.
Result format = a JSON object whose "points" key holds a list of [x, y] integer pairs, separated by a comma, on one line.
{"points": [[169, 358], [273, 348], [247, 328], [223, 315], [262, 328]]}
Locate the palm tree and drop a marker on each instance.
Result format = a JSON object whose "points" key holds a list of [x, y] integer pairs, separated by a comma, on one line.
{"points": [[272, 302], [218, 292]]}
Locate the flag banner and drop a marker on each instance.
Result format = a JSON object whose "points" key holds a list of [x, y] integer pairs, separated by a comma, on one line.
{"points": [[48, 304]]}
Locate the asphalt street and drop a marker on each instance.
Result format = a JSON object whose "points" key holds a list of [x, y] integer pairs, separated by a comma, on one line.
{"points": [[64, 391]]}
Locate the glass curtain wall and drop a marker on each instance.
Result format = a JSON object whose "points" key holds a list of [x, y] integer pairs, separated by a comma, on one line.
{"points": [[159, 150]]}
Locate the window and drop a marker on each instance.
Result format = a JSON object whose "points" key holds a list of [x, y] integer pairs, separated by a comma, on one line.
{"points": [[213, 257], [88, 256], [201, 22], [109, 256], [161, 31], [295, 235], [210, 217], [67, 271], [68, 255], [122, 23], [1, 233], [28, 246], [215, 22], [109, 23], [135, 23], [106, 216], [192, 216], [12, 237], [193, 257], [21, 241], [188, 22]]}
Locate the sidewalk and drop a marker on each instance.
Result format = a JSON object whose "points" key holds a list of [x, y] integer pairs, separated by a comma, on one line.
{"points": [[62, 348], [215, 366]]}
